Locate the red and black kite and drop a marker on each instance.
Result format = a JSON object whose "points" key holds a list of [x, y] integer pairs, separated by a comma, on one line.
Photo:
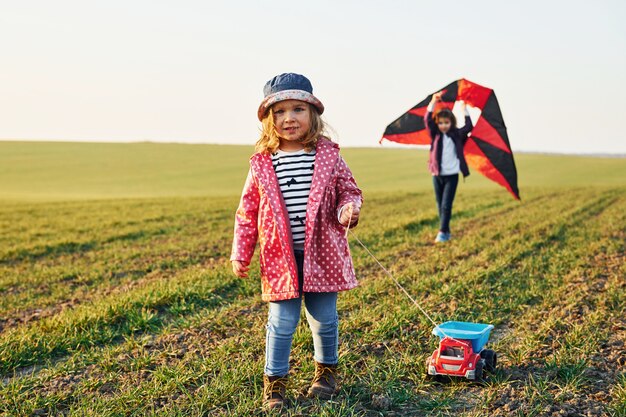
{"points": [[487, 149]]}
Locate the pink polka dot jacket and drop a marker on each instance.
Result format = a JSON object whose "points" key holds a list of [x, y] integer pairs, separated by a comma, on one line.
{"points": [[262, 216]]}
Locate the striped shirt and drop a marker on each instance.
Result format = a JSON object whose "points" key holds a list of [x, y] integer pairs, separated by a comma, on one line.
{"points": [[294, 171]]}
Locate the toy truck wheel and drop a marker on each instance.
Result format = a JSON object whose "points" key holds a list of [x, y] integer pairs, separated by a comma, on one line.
{"points": [[491, 359], [479, 375], [429, 377]]}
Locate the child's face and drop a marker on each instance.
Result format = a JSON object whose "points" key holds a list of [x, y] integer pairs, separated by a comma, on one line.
{"points": [[292, 119], [443, 124]]}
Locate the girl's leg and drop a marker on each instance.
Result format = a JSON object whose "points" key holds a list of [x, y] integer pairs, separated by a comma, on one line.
{"points": [[282, 321], [447, 198], [321, 313], [438, 187], [281, 324]]}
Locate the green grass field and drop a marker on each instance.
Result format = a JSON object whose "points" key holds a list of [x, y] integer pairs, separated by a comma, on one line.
{"points": [[116, 296]]}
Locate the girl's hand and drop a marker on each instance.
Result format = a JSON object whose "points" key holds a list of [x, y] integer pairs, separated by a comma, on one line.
{"points": [[434, 100], [463, 106], [241, 269], [346, 217]]}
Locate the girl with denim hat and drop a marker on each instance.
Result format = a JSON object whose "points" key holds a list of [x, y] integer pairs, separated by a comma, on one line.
{"points": [[298, 199]]}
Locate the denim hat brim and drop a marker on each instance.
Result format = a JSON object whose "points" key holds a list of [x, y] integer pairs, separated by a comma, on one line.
{"points": [[288, 95]]}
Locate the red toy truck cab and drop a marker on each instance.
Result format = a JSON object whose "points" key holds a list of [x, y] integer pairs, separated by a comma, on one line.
{"points": [[455, 358]]}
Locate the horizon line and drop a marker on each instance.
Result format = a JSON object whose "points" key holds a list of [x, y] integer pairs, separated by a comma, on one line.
{"points": [[391, 145]]}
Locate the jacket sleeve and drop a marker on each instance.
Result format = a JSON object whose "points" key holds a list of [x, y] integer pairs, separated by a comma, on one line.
{"points": [[466, 129], [431, 127], [246, 221], [347, 190]]}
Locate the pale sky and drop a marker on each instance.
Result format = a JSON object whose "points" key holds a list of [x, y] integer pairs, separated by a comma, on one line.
{"points": [[193, 71]]}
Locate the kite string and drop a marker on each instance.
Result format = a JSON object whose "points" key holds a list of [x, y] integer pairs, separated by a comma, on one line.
{"points": [[390, 275]]}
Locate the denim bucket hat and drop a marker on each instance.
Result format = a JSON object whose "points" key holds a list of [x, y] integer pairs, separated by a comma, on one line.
{"points": [[288, 86]]}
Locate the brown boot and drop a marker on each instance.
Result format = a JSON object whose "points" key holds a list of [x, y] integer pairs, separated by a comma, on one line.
{"points": [[324, 384], [274, 391]]}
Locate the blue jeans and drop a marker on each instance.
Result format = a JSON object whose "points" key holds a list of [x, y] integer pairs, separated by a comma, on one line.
{"points": [[321, 313], [445, 189]]}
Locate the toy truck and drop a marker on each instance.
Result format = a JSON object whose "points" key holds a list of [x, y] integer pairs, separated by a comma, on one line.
{"points": [[461, 351]]}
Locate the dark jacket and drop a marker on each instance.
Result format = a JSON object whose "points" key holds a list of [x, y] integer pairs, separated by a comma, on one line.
{"points": [[458, 136]]}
